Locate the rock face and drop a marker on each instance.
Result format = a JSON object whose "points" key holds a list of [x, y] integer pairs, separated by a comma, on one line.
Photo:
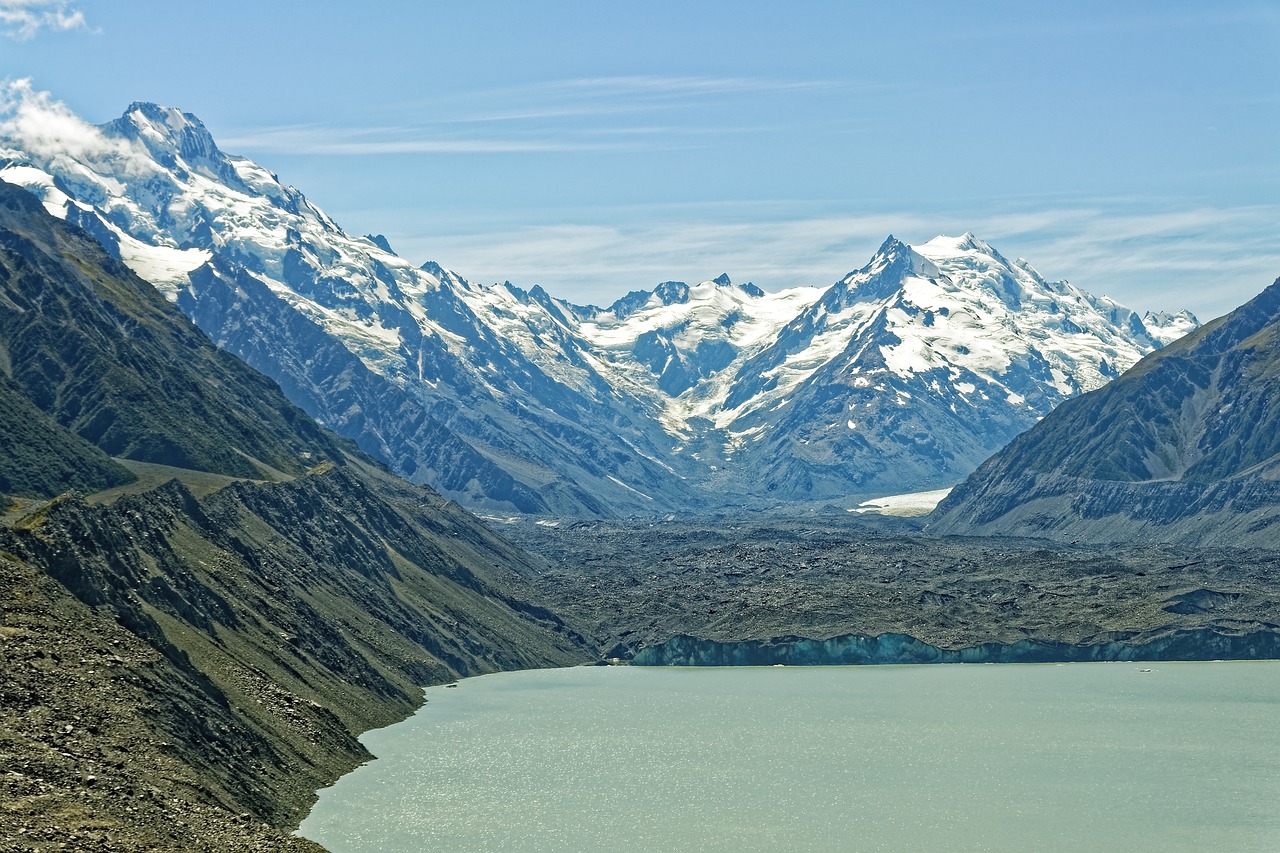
{"points": [[902, 376], [1185, 447], [185, 661]]}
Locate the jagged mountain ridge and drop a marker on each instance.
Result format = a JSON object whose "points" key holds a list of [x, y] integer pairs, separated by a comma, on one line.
{"points": [[506, 398], [914, 368], [921, 364], [1184, 447]]}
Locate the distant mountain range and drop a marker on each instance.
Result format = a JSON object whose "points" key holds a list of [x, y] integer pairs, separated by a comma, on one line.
{"points": [[902, 376], [1184, 447]]}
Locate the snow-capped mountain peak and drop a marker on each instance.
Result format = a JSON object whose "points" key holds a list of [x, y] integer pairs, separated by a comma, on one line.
{"points": [[881, 277], [1167, 328], [166, 130], [903, 374]]}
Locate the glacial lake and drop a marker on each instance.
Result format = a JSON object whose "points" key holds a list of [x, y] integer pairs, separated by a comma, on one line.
{"points": [[1085, 756]]}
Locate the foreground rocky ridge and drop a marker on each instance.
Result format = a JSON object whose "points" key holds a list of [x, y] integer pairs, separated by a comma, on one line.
{"points": [[210, 662], [188, 655], [215, 659]]}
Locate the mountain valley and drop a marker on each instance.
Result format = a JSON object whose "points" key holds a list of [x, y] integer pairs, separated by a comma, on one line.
{"points": [[217, 577]]}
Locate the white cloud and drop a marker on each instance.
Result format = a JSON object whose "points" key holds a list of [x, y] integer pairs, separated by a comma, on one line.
{"points": [[23, 19], [46, 129]]}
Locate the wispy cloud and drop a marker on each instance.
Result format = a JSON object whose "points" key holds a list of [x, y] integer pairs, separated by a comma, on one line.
{"points": [[24, 19], [321, 139], [1208, 259], [675, 85], [610, 96], [598, 262], [570, 115], [339, 141]]}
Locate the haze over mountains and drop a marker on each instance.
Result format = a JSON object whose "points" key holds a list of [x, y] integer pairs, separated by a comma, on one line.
{"points": [[902, 376]]}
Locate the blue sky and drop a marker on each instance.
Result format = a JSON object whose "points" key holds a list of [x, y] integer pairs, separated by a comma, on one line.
{"points": [[596, 148]]}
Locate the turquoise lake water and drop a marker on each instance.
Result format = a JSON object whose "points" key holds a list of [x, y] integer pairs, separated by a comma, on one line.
{"points": [[1092, 756]]}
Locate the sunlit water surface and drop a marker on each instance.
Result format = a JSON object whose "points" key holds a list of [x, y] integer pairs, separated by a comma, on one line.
{"points": [[1103, 756]]}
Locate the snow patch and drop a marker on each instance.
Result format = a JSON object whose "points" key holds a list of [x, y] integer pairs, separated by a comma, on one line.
{"points": [[39, 183], [906, 505], [628, 488], [160, 265]]}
